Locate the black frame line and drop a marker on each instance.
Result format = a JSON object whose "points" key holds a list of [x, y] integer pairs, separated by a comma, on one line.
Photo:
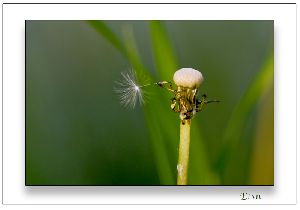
{"points": [[152, 3], [2, 111], [296, 104], [136, 185]]}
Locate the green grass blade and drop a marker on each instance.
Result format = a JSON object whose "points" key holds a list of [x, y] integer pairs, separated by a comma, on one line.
{"points": [[129, 49], [165, 59], [166, 63], [164, 169], [237, 121], [155, 126], [163, 125], [107, 33], [200, 171], [255, 91], [261, 170], [132, 53]]}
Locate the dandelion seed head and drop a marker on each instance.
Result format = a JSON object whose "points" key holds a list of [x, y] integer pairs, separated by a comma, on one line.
{"points": [[129, 91], [188, 77]]}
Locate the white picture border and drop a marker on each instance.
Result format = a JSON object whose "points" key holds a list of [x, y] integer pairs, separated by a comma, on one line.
{"points": [[14, 190]]}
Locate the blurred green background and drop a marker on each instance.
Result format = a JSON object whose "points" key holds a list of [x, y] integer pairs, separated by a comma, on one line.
{"points": [[78, 134]]}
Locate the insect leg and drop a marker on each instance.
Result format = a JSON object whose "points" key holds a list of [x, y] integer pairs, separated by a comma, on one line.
{"points": [[166, 85], [200, 104], [211, 101]]}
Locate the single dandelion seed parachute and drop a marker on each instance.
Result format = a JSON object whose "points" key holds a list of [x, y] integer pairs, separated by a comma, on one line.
{"points": [[129, 91]]}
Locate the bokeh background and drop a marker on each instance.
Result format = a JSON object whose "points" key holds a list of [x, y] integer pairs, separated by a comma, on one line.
{"points": [[78, 134]]}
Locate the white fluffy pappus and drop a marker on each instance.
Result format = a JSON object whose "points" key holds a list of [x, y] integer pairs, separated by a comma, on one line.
{"points": [[188, 77], [129, 91]]}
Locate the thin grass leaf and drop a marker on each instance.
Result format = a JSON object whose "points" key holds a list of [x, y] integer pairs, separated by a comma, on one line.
{"points": [[129, 50], [200, 170], [166, 63], [261, 170], [256, 90], [164, 56], [155, 126], [162, 123], [107, 33], [132, 53], [163, 166], [236, 124]]}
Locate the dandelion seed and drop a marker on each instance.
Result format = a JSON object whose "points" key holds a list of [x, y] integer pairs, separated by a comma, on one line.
{"points": [[129, 91]]}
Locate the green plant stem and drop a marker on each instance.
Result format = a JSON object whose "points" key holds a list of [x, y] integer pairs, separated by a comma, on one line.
{"points": [[184, 150]]}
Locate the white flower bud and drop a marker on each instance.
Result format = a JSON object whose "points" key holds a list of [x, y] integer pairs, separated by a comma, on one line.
{"points": [[188, 78]]}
